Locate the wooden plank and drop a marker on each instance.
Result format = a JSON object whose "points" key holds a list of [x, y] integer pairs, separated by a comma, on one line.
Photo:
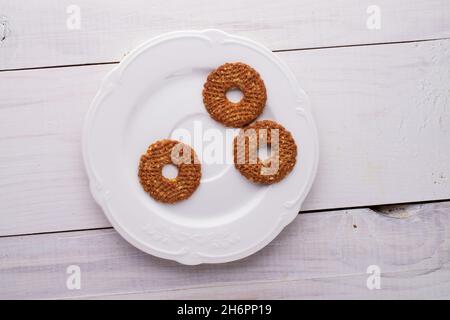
{"points": [[334, 288], [38, 34], [320, 255], [382, 112]]}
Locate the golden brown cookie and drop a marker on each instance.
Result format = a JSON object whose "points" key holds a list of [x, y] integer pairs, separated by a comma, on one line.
{"points": [[283, 152], [165, 152], [234, 76]]}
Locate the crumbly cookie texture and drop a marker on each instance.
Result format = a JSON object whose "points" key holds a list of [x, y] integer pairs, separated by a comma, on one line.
{"points": [[240, 76], [161, 188], [247, 161]]}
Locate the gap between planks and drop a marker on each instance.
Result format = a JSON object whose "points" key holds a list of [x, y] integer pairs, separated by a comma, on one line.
{"points": [[39, 35]]}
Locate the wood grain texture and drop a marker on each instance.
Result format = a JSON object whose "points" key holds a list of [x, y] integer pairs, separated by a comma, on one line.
{"points": [[35, 34], [382, 112], [320, 255]]}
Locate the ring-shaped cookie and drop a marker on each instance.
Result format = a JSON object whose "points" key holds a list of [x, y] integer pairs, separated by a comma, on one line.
{"points": [[164, 152], [281, 160], [234, 76]]}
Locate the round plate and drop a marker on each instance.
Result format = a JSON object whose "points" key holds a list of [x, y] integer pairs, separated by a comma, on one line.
{"points": [[156, 93]]}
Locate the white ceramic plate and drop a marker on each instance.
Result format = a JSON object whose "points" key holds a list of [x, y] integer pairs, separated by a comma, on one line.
{"points": [[156, 90]]}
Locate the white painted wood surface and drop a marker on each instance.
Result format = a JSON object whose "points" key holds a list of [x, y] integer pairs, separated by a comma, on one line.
{"points": [[383, 113], [383, 116], [38, 34], [320, 255]]}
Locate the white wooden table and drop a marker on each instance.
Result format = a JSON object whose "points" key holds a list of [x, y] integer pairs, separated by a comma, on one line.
{"points": [[378, 75]]}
